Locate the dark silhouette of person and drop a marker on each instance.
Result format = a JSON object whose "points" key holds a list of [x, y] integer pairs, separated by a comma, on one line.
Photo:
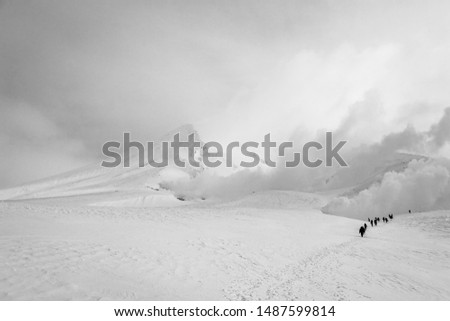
{"points": [[362, 230], [365, 226], [375, 222], [371, 223], [409, 211]]}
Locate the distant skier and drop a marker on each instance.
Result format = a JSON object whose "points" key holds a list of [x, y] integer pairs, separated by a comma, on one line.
{"points": [[375, 222], [365, 226], [362, 230], [371, 223], [409, 211]]}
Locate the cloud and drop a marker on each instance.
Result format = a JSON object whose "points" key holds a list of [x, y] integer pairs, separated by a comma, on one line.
{"points": [[440, 132], [311, 90], [211, 185], [95, 70], [423, 186], [33, 146]]}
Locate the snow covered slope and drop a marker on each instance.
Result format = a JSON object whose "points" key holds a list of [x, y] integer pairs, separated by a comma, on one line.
{"points": [[273, 199], [235, 251]]}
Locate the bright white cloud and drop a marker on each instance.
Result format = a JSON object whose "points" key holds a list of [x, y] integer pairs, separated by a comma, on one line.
{"points": [[423, 186]]}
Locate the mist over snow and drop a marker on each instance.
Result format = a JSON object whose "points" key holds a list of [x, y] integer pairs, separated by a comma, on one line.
{"points": [[403, 171], [423, 186], [212, 185]]}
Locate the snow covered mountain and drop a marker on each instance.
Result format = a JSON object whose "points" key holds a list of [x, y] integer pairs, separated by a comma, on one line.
{"points": [[114, 182], [356, 189]]}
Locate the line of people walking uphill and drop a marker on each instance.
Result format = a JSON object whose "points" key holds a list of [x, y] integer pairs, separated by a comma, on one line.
{"points": [[374, 222]]}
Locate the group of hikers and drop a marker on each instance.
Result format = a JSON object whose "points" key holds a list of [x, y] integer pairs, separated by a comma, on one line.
{"points": [[363, 229]]}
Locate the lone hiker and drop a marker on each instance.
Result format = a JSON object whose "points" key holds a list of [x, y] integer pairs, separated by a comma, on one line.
{"points": [[362, 230]]}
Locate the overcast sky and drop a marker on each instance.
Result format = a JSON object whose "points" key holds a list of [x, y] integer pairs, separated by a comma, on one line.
{"points": [[74, 74]]}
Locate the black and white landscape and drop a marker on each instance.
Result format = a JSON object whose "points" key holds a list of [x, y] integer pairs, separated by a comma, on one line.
{"points": [[75, 75]]}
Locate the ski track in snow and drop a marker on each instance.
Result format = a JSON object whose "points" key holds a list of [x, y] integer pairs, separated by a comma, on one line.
{"points": [[215, 253]]}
